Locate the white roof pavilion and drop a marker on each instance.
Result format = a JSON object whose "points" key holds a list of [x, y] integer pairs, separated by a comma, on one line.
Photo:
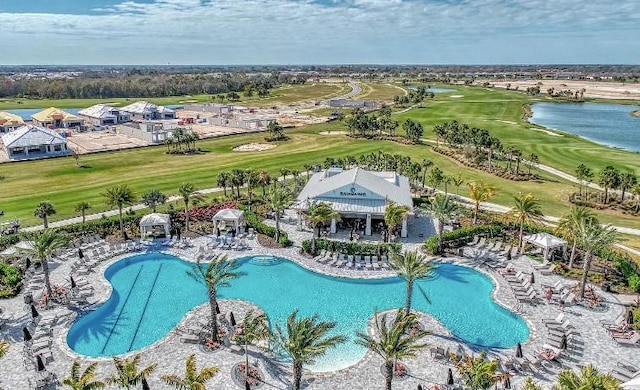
{"points": [[230, 215], [149, 221], [546, 241]]}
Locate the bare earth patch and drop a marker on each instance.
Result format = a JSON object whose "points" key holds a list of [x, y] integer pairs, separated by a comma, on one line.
{"points": [[334, 132], [547, 131], [253, 147], [456, 96]]}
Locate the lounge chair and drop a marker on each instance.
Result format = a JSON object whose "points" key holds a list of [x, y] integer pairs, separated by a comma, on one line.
{"points": [[531, 297], [474, 241], [564, 327], [559, 320], [625, 371], [439, 354], [190, 339], [548, 271], [629, 342], [524, 286], [497, 247]]}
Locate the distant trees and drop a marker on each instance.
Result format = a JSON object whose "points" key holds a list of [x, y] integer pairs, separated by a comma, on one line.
{"points": [[413, 130], [276, 131], [379, 124]]}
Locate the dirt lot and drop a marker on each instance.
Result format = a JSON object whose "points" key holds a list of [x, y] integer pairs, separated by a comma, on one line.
{"points": [[593, 89], [97, 141]]}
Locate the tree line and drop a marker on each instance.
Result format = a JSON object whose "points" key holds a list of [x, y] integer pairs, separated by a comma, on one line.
{"points": [[609, 178], [376, 124]]}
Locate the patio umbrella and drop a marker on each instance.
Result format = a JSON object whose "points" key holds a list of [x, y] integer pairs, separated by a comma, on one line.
{"points": [[80, 254], [232, 319], [217, 308], [419, 387], [519, 350], [26, 334], [34, 312], [630, 317], [73, 282], [507, 383], [247, 386], [450, 377], [533, 278], [39, 363], [563, 342], [27, 263]]}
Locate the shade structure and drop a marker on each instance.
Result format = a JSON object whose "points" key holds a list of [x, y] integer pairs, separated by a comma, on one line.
{"points": [[633, 384], [39, 363], [519, 350], [34, 312], [26, 334], [546, 241], [232, 319], [149, 221], [234, 216], [450, 377], [80, 253]]}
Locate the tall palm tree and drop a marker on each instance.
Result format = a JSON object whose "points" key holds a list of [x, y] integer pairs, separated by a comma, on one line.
{"points": [[254, 327], [320, 213], [442, 208], [120, 196], [589, 378], [193, 379], [411, 266], [426, 164], [394, 214], [277, 200], [85, 380], [188, 194], [394, 340], [223, 180], [526, 210], [238, 179], [304, 340], [569, 224], [608, 178], [44, 210], [128, 375], [479, 192], [44, 245], [217, 273], [593, 237], [457, 181], [264, 179], [627, 181], [252, 180], [82, 208]]}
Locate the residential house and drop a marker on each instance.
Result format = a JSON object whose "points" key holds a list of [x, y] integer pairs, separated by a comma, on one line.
{"points": [[55, 118], [31, 141], [101, 115], [149, 111], [10, 122]]}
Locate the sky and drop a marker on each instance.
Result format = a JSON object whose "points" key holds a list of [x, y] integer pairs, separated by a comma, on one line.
{"points": [[287, 32]]}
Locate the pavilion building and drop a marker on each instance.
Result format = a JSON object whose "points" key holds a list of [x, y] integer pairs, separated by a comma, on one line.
{"points": [[356, 194]]}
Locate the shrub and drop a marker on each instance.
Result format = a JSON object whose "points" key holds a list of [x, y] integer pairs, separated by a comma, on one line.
{"points": [[10, 280], [256, 222], [462, 236], [352, 248]]}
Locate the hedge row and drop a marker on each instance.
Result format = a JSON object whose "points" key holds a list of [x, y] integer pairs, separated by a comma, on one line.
{"points": [[462, 236], [625, 264], [256, 222], [352, 248]]}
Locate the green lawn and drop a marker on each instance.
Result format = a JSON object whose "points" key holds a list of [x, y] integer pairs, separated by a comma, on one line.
{"points": [[295, 94], [376, 91]]}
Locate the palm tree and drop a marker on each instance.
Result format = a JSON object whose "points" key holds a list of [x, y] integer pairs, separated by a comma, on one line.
{"points": [[636, 191], [120, 196], [238, 178], [627, 181], [82, 208], [44, 210], [44, 245], [394, 214], [589, 378], [569, 224], [609, 178], [252, 179], [264, 179], [442, 208], [530, 384], [411, 266], [254, 327], [479, 192], [593, 238], [153, 198], [277, 200], [478, 372], [426, 164], [188, 193], [457, 181], [304, 340], [4, 348], [193, 379], [84, 381], [396, 340], [526, 210], [223, 180], [320, 213], [217, 273], [128, 375]]}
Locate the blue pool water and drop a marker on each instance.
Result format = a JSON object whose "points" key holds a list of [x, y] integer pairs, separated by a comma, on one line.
{"points": [[608, 124], [152, 292]]}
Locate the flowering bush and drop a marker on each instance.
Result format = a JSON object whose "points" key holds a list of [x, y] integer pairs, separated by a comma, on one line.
{"points": [[210, 344], [238, 332], [254, 374], [206, 213], [59, 294], [399, 370]]}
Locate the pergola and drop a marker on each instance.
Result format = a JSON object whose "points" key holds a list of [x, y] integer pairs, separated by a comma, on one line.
{"points": [[547, 242], [229, 215], [150, 221]]}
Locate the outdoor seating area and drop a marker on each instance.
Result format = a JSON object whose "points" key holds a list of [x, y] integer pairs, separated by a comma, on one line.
{"points": [[355, 262]]}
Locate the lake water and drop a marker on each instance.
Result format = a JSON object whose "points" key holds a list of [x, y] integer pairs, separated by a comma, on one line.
{"points": [[26, 113], [604, 123]]}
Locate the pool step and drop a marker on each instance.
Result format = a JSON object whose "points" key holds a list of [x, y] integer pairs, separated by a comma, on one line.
{"points": [[265, 260]]}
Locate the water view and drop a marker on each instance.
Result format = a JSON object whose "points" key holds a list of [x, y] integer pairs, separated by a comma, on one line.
{"points": [[607, 124]]}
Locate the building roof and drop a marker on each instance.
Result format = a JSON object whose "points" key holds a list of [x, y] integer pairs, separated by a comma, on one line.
{"points": [[387, 185], [30, 135], [9, 119], [100, 111], [52, 114], [145, 108], [155, 219], [228, 215], [545, 240]]}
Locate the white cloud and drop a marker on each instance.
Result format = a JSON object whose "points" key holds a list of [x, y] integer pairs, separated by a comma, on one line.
{"points": [[307, 31]]}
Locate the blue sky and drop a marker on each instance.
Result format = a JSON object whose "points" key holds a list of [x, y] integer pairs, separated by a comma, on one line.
{"points": [[319, 31]]}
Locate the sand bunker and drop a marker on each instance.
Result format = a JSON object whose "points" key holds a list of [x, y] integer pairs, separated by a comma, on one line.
{"points": [[253, 147], [334, 132], [456, 96], [547, 131]]}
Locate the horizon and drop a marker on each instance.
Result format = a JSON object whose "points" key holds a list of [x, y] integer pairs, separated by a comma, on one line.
{"points": [[319, 32]]}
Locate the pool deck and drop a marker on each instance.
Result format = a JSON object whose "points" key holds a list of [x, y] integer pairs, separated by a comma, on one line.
{"points": [[597, 347]]}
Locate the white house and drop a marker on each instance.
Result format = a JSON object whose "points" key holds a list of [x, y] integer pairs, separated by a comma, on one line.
{"points": [[104, 115], [10, 122], [34, 142], [146, 111], [356, 194]]}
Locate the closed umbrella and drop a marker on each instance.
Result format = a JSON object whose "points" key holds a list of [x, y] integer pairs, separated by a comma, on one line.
{"points": [[519, 350], [232, 319], [630, 317], [217, 308], [39, 363], [73, 282], [563, 342], [26, 334], [507, 383], [533, 278], [34, 312], [80, 254], [450, 377], [247, 386], [419, 387], [28, 263]]}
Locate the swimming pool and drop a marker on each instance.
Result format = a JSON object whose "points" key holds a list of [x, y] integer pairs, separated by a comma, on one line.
{"points": [[152, 292]]}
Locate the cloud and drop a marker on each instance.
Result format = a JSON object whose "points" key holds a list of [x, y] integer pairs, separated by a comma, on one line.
{"points": [[318, 31]]}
